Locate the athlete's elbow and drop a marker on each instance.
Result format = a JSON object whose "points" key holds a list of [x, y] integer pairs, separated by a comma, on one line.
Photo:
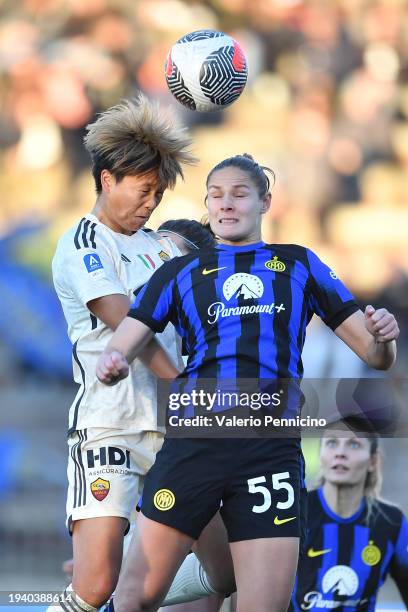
{"points": [[383, 363]]}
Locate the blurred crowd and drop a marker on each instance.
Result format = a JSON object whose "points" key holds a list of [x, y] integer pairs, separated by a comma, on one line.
{"points": [[326, 106]]}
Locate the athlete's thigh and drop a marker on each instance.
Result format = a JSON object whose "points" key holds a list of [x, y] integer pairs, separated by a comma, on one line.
{"points": [[213, 550], [154, 556], [265, 572], [97, 546]]}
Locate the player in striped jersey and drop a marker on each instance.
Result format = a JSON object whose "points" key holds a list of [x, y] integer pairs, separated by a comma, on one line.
{"points": [[242, 310], [354, 538], [137, 151]]}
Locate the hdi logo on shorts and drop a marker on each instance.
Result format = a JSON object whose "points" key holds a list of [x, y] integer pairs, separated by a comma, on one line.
{"points": [[108, 455]]}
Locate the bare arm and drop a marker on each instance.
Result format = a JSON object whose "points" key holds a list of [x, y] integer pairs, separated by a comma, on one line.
{"points": [[130, 337], [112, 310], [371, 336]]}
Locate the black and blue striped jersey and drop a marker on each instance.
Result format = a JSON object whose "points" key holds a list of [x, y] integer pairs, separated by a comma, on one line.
{"points": [[347, 559], [242, 311]]}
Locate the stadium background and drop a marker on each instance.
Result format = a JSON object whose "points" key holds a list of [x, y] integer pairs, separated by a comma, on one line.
{"points": [[326, 106]]}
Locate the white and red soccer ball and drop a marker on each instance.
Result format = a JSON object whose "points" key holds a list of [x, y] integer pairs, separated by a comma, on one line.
{"points": [[206, 70]]}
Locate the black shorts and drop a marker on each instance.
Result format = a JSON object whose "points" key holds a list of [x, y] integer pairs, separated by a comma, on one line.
{"points": [[256, 481]]}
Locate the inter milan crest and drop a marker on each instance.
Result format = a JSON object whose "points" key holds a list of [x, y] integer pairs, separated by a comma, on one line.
{"points": [[275, 265], [371, 554], [164, 499]]}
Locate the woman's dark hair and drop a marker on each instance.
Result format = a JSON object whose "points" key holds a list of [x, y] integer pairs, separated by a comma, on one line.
{"points": [[195, 234], [135, 137], [256, 172]]}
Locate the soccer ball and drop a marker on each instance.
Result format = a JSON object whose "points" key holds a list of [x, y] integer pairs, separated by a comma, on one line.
{"points": [[206, 70]]}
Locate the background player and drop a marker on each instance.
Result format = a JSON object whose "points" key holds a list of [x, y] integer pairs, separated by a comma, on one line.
{"points": [[354, 538], [199, 473]]}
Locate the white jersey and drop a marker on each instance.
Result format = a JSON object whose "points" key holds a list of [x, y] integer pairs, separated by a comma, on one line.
{"points": [[93, 261]]}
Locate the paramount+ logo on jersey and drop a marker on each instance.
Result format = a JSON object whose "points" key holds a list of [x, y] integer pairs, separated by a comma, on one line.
{"points": [[245, 287], [107, 456]]}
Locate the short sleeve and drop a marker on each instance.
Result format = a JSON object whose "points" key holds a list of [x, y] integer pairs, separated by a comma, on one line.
{"points": [[399, 562], [154, 303], [329, 297], [88, 273]]}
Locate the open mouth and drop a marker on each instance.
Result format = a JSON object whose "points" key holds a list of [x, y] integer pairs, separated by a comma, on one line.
{"points": [[225, 221], [340, 468]]}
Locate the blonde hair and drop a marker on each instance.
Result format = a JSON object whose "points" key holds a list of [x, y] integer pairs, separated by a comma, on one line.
{"points": [[374, 478], [135, 137]]}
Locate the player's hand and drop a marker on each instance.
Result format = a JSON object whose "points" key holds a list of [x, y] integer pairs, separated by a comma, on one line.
{"points": [[381, 324], [111, 368]]}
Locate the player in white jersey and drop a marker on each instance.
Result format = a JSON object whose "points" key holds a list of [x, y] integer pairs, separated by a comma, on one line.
{"points": [[137, 152], [93, 261]]}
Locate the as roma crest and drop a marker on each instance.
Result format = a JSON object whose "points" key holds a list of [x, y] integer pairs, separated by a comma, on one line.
{"points": [[100, 488]]}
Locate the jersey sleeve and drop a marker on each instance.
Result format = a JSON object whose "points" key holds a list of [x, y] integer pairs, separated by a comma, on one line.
{"points": [[88, 273], [399, 561], [154, 303], [329, 297]]}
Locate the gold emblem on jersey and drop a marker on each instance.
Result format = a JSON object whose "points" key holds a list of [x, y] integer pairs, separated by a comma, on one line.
{"points": [[164, 256], [371, 554], [164, 499], [100, 488], [275, 265]]}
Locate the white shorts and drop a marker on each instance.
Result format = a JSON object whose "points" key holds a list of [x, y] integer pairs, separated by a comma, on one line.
{"points": [[106, 470]]}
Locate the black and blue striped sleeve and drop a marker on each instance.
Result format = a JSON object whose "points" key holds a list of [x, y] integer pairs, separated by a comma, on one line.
{"points": [[329, 297], [154, 302], [399, 561]]}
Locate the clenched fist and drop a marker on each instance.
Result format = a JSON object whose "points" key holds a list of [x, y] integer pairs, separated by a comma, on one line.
{"points": [[381, 324], [111, 368]]}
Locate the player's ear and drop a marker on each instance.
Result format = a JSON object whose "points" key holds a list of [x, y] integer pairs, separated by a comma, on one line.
{"points": [[266, 204], [107, 180], [206, 201]]}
